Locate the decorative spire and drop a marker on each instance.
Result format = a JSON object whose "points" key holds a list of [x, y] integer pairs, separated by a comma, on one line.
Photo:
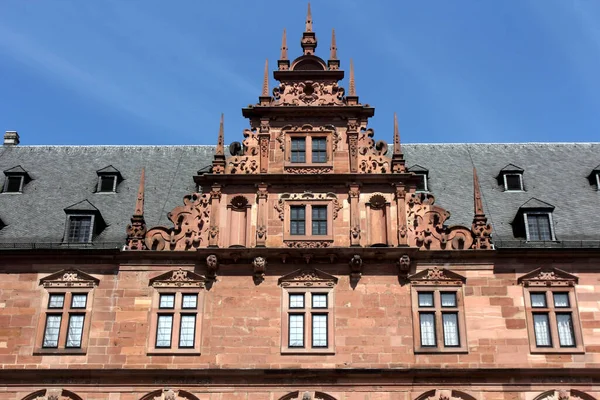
{"points": [[482, 231], [284, 48], [308, 20], [136, 231], [351, 85], [309, 39], [139, 204], [265, 88], [221, 140], [397, 158], [333, 48]]}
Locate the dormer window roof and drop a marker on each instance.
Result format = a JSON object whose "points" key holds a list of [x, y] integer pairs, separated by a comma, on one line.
{"points": [[84, 221], [15, 179], [423, 174], [108, 179], [511, 177], [534, 221], [594, 177]]}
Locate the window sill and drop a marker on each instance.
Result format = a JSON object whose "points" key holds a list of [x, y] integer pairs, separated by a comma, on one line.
{"points": [[456, 350], [551, 350], [313, 352], [59, 352], [171, 352]]}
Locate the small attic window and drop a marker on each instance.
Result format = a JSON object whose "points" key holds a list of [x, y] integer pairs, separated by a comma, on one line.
{"points": [[107, 183], [108, 179], [538, 226], [594, 177], [79, 228], [14, 184], [423, 177], [513, 182], [422, 184]]}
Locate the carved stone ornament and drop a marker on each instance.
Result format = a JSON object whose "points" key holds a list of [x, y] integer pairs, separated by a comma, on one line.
{"points": [[374, 164], [437, 277], [190, 230], [248, 162], [177, 279], [259, 266], [212, 265], [69, 278], [170, 394], [404, 264], [356, 267], [52, 394], [377, 201], [309, 93], [308, 244], [426, 226], [311, 277], [261, 231], [355, 231], [307, 196], [307, 395], [553, 277], [308, 170], [564, 394], [445, 394]]}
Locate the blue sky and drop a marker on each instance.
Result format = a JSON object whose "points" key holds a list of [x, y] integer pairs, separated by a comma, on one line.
{"points": [[157, 72]]}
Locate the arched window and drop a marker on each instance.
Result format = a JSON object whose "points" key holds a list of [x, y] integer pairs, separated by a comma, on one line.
{"points": [[52, 394]]}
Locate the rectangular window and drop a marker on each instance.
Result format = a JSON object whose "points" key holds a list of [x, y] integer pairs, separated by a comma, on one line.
{"points": [[13, 184], [80, 229], [319, 149], [448, 299], [296, 329], [450, 325], [296, 300], [56, 301], [163, 330], [319, 300], [52, 331], [422, 182], [319, 220], [538, 300], [539, 228], [541, 326], [425, 299], [187, 331], [75, 330], [190, 301], [107, 183], [79, 300], [298, 154], [513, 182], [566, 336], [297, 220], [427, 323], [167, 301], [319, 330], [561, 300]]}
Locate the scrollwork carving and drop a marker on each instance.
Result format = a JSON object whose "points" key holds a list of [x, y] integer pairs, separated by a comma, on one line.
{"points": [[374, 164], [308, 170], [309, 93], [306, 244]]}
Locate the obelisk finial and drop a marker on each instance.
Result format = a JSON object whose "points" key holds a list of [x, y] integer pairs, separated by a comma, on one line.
{"points": [[284, 49], [397, 149], [265, 88], [221, 141], [139, 203], [398, 164], [482, 231], [333, 48], [136, 230], [308, 20], [352, 84], [477, 203]]}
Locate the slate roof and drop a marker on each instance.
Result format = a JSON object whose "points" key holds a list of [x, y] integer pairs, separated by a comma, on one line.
{"points": [[65, 175]]}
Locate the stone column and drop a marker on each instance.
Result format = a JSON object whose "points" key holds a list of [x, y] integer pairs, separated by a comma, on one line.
{"points": [[261, 214], [264, 138], [354, 194], [215, 204], [400, 195], [352, 133]]}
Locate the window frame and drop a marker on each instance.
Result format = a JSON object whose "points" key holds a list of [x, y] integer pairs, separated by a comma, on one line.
{"points": [[66, 311], [551, 311], [68, 228], [308, 205], [425, 182], [550, 221], [115, 179], [13, 176], [308, 148], [438, 311], [521, 185]]}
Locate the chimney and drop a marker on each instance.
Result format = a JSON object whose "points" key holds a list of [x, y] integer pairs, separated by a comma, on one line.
{"points": [[11, 138]]}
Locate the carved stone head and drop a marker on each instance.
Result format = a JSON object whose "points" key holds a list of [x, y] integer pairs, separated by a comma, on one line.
{"points": [[404, 263]]}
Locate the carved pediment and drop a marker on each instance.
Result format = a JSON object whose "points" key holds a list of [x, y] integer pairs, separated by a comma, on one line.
{"points": [[437, 277], [548, 277], [69, 278], [309, 93], [311, 277], [190, 226], [307, 196], [178, 278]]}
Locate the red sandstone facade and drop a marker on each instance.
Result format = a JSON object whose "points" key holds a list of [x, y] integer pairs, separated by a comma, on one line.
{"points": [[308, 220]]}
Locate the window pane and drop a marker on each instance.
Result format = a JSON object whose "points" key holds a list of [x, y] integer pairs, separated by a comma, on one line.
{"points": [[566, 336], [542, 330], [52, 331], [425, 299], [561, 300], [448, 299], [75, 331], [163, 330], [79, 229], [427, 329], [319, 301], [319, 220], [319, 150], [319, 333], [78, 300], [13, 184], [298, 150], [187, 331], [56, 301], [513, 182], [297, 300], [189, 301], [421, 184], [107, 183], [539, 226], [167, 301], [297, 220], [538, 300], [296, 330], [450, 322]]}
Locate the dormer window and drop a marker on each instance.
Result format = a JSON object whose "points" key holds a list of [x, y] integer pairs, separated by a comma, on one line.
{"points": [[83, 222], [108, 180], [423, 177], [594, 177], [534, 221], [16, 178], [511, 178]]}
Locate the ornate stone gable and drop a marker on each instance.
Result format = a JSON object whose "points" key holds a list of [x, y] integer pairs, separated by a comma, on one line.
{"points": [[178, 278], [437, 277], [69, 278], [548, 277], [308, 277]]}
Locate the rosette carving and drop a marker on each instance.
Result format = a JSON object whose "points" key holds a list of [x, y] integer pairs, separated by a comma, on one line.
{"points": [[191, 225]]}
